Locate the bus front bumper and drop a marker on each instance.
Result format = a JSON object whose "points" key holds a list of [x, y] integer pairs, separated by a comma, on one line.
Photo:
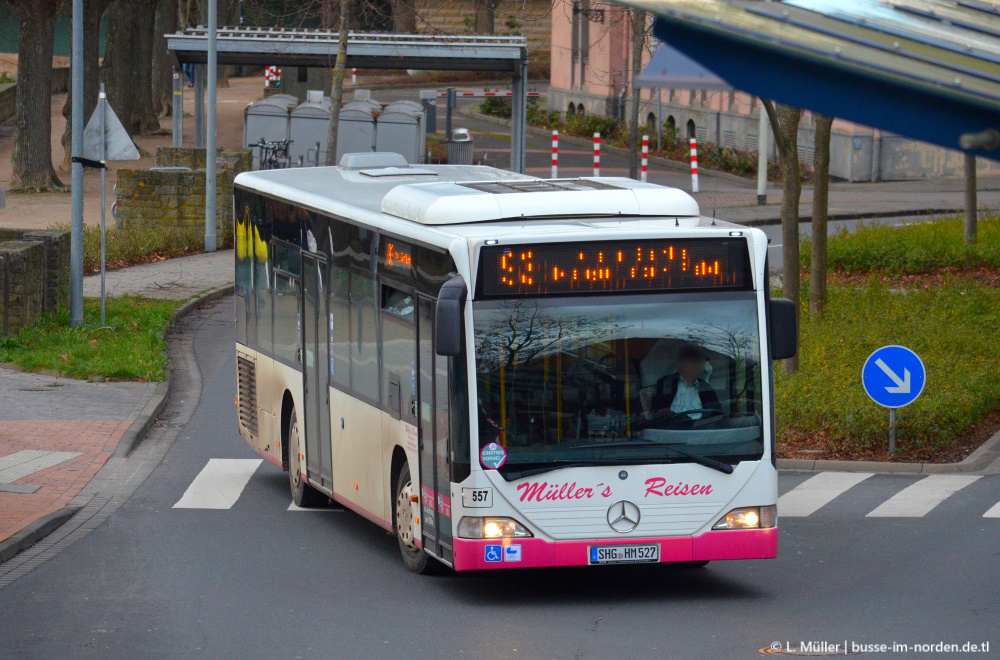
{"points": [[476, 554]]}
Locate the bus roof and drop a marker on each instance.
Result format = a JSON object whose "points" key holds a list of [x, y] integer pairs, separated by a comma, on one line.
{"points": [[451, 195]]}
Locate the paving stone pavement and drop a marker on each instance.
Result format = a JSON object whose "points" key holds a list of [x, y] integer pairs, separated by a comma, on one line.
{"points": [[47, 413], [176, 279]]}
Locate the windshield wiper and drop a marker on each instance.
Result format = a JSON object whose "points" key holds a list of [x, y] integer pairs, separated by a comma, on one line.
{"points": [[725, 468], [559, 465]]}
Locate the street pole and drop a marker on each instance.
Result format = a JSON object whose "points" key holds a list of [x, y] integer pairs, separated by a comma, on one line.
{"points": [[76, 201], [102, 101], [210, 164], [178, 109], [892, 431], [199, 106], [763, 129], [971, 205]]}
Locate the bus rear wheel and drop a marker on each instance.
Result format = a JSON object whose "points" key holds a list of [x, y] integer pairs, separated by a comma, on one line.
{"points": [[414, 558], [303, 494]]}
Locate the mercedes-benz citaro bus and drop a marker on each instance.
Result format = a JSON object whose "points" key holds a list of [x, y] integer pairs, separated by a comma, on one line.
{"points": [[504, 371]]}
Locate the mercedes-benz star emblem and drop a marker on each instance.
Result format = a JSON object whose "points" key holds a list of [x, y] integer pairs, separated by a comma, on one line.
{"points": [[623, 516]]}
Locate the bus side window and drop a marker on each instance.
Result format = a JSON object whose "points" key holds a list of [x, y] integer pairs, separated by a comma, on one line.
{"points": [[340, 336], [364, 337]]}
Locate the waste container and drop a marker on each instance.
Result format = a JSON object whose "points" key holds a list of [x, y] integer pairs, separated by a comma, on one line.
{"points": [[266, 120], [400, 128], [307, 129], [429, 102], [460, 147]]}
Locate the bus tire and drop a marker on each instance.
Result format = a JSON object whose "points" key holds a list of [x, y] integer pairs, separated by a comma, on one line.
{"points": [[414, 558], [303, 494]]}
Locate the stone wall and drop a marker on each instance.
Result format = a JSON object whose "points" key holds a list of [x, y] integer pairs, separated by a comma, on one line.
{"points": [[34, 276], [175, 197], [532, 18]]}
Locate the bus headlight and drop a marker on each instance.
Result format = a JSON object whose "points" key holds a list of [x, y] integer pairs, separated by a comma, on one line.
{"points": [[473, 527], [749, 517]]}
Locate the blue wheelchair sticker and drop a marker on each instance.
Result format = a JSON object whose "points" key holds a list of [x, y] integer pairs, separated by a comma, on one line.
{"points": [[494, 553]]}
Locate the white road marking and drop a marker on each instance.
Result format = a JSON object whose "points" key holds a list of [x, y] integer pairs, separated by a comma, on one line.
{"points": [[918, 499], [994, 512], [28, 461], [806, 498], [776, 245], [293, 507], [219, 484]]}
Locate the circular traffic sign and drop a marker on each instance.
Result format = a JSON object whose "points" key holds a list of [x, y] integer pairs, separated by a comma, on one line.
{"points": [[893, 376]]}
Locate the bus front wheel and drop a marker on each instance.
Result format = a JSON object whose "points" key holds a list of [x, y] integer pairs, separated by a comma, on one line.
{"points": [[303, 494], [414, 558]]}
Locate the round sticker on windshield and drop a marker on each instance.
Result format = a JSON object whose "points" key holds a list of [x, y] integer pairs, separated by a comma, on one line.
{"points": [[493, 456]]}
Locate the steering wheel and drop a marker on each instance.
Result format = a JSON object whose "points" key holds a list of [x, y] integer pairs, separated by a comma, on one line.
{"points": [[711, 412]]}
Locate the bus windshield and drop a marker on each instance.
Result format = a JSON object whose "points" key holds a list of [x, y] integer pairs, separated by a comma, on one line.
{"points": [[619, 380]]}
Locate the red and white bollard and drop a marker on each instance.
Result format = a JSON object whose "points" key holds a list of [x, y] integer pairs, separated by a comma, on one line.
{"points": [[597, 154], [645, 157], [555, 154], [694, 165], [354, 76], [272, 74]]}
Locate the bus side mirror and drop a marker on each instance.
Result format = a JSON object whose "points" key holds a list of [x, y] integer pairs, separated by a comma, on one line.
{"points": [[448, 335], [784, 339]]}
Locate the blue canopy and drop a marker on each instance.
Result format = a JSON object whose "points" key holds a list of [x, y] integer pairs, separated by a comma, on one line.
{"points": [[926, 69]]}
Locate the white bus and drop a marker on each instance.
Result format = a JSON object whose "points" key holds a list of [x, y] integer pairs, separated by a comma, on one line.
{"points": [[504, 371]]}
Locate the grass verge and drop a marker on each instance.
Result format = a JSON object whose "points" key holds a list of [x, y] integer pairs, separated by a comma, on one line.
{"points": [[918, 286], [133, 347]]}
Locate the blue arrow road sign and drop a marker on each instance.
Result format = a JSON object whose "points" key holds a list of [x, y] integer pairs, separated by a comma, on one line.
{"points": [[893, 376]]}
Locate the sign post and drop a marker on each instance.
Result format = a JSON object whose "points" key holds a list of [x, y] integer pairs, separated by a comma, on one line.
{"points": [[893, 376], [105, 139]]}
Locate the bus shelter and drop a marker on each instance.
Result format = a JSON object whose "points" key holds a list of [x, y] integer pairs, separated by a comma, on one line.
{"points": [[318, 48]]}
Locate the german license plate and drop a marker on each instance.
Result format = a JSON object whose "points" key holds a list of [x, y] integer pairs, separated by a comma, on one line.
{"points": [[624, 554]]}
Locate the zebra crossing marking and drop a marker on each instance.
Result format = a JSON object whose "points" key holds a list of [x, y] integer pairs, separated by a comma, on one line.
{"points": [[817, 491], [219, 484], [919, 498]]}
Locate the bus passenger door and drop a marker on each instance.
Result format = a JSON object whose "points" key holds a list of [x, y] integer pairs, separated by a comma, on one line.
{"points": [[434, 440], [316, 371]]}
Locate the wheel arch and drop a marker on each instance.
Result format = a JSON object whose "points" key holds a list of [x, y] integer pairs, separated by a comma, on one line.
{"points": [[287, 406]]}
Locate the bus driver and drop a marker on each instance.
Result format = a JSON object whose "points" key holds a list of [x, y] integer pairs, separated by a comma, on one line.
{"points": [[687, 389]]}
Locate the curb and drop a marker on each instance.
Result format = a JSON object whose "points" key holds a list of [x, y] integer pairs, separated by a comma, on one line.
{"points": [[39, 529], [35, 532], [982, 457]]}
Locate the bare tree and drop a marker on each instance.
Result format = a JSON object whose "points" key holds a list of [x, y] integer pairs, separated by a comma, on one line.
{"points": [[404, 17], [820, 208], [785, 126], [638, 24], [32, 156], [337, 96], [128, 75], [163, 65]]}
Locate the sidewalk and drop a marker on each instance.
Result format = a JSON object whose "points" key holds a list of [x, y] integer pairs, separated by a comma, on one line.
{"points": [[57, 433]]}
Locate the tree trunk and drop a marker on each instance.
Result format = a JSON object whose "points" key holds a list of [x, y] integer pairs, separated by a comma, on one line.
{"points": [[971, 205], [404, 17], [486, 11], [638, 20], [163, 65], [32, 156], [337, 94], [821, 190], [93, 11], [127, 72], [785, 126]]}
